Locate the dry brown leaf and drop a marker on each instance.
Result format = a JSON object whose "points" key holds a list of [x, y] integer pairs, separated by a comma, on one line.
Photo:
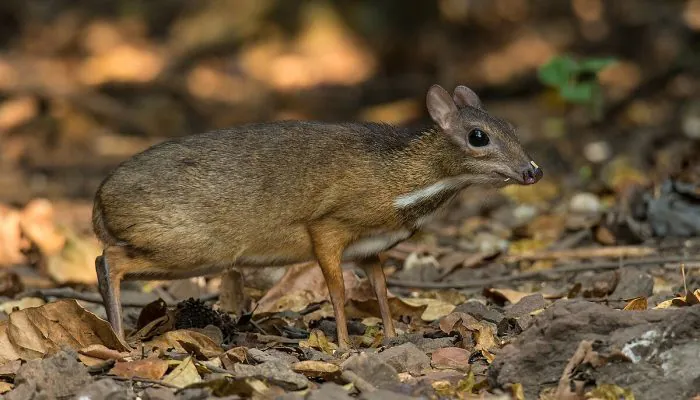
{"points": [[75, 263], [150, 368], [234, 356], [318, 340], [636, 304], [17, 110], [25, 302], [435, 309], [482, 334], [370, 308], [620, 174], [512, 296], [9, 369], [542, 193], [517, 391], [689, 299], [102, 352], [303, 284], [610, 391], [11, 242], [547, 227], [183, 340], [34, 332], [5, 387], [184, 374], [37, 224], [450, 358], [317, 369], [664, 304]]}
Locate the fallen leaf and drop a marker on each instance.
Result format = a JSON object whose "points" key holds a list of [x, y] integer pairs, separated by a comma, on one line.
{"points": [[233, 356], [101, 352], [231, 386], [5, 387], [35, 332], [182, 340], [620, 174], [150, 368], [664, 304], [435, 309], [517, 391], [689, 299], [318, 340], [75, 263], [510, 295], [370, 307], [636, 304], [317, 369], [184, 374], [372, 337], [37, 224], [11, 242], [547, 227], [608, 391], [158, 326], [9, 369], [450, 358], [371, 321], [482, 334], [542, 193], [303, 285], [21, 304], [152, 311]]}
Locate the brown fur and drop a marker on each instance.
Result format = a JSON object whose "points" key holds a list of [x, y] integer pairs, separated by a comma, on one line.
{"points": [[284, 192]]}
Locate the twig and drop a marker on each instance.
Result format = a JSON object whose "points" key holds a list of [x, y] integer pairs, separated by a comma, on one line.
{"points": [[540, 274], [361, 384], [91, 297], [571, 240], [585, 252], [143, 380], [275, 338]]}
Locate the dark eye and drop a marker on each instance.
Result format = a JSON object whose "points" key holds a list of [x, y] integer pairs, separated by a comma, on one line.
{"points": [[478, 138]]}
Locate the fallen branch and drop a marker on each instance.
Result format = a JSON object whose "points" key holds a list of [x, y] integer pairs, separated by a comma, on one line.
{"points": [[549, 274], [91, 297], [585, 252]]}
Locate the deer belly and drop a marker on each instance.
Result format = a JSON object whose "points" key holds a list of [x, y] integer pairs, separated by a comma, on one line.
{"points": [[374, 244]]}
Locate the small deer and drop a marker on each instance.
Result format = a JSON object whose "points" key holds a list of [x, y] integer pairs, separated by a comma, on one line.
{"points": [[284, 192]]}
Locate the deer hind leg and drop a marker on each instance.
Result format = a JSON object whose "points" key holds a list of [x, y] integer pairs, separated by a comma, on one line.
{"points": [[111, 267]]}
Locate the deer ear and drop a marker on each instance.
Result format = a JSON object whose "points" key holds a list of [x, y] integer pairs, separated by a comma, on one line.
{"points": [[441, 106], [464, 97]]}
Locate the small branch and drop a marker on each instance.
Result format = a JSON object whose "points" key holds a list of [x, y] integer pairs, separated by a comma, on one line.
{"points": [[543, 274], [142, 380], [91, 297], [585, 252]]}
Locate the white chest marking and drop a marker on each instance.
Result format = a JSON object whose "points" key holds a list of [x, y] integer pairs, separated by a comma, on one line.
{"points": [[418, 196], [422, 221], [375, 244]]}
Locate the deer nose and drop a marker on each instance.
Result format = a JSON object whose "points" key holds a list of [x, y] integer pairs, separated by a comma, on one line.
{"points": [[532, 173]]}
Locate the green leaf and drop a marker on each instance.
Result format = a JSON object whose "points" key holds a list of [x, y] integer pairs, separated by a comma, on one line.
{"points": [[558, 71], [581, 93], [596, 65]]}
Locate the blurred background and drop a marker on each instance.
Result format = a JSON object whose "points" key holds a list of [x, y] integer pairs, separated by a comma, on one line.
{"points": [[605, 94]]}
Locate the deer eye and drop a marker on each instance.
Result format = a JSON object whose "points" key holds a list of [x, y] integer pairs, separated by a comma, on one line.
{"points": [[478, 138]]}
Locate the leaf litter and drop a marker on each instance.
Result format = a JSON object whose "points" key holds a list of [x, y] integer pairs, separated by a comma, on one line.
{"points": [[498, 251]]}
